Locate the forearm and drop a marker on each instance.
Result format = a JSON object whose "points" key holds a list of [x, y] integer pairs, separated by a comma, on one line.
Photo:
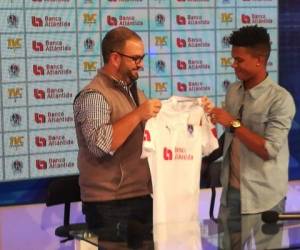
{"points": [[252, 141], [123, 128]]}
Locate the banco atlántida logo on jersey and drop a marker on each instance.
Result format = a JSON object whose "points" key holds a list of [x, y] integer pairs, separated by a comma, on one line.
{"points": [[178, 153]]}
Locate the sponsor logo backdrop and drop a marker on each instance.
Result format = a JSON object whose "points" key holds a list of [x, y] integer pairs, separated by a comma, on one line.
{"points": [[50, 49]]}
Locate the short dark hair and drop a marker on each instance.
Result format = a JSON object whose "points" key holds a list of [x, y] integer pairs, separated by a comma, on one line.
{"points": [[253, 37], [115, 40]]}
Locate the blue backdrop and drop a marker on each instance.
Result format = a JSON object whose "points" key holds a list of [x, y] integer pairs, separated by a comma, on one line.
{"points": [[34, 191], [289, 74]]}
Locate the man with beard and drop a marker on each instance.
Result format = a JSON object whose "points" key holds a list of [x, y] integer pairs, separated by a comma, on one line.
{"points": [[109, 113]]}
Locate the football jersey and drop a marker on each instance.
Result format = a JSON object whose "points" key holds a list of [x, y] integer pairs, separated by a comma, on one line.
{"points": [[179, 236], [174, 143]]}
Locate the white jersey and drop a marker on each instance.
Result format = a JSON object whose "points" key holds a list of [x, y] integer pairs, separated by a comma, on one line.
{"points": [[179, 236], [174, 142]]}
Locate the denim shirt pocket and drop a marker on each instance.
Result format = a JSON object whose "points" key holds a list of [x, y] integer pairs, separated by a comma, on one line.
{"points": [[256, 122]]}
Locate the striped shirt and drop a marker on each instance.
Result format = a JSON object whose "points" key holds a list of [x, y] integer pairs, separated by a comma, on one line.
{"points": [[92, 111]]}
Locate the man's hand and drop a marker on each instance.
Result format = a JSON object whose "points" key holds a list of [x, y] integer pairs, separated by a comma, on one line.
{"points": [[148, 109], [207, 104], [219, 115], [124, 127]]}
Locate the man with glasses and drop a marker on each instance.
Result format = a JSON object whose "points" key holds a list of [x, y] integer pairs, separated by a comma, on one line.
{"points": [[109, 113], [257, 117]]}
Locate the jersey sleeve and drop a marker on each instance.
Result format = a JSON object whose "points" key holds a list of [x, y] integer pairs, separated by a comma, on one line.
{"points": [[149, 138], [209, 135]]}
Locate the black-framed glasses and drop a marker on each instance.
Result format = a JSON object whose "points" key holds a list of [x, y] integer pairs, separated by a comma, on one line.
{"points": [[136, 59]]}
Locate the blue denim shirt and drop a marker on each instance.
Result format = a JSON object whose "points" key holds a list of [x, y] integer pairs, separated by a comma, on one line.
{"points": [[268, 110]]}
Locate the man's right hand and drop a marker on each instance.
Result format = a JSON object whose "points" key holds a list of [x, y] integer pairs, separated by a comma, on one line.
{"points": [[124, 127], [148, 109]]}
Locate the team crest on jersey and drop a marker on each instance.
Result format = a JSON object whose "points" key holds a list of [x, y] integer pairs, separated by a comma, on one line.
{"points": [[190, 129]]}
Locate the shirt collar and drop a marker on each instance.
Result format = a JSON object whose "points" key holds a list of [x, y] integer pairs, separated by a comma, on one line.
{"points": [[259, 89], [119, 82]]}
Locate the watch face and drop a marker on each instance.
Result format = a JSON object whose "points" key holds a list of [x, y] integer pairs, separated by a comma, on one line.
{"points": [[236, 124]]}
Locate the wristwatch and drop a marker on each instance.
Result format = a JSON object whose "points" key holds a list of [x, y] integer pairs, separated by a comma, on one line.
{"points": [[234, 125]]}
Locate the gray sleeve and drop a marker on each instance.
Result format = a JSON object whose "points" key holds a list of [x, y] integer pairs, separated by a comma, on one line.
{"points": [[279, 123]]}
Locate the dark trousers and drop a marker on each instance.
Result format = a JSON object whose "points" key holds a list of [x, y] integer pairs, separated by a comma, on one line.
{"points": [[118, 212]]}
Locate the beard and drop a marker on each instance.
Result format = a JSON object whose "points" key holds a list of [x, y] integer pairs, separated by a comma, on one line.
{"points": [[133, 74]]}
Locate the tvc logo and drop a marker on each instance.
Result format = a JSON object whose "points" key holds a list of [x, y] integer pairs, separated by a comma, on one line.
{"points": [[40, 141], [89, 66], [168, 154], [39, 94], [14, 43], [36, 21], [14, 93], [147, 136], [37, 46], [161, 87], [38, 70], [161, 41], [39, 118], [226, 17], [89, 18], [181, 65], [181, 87], [226, 61], [180, 20], [112, 21], [181, 43], [40, 164], [16, 141]]}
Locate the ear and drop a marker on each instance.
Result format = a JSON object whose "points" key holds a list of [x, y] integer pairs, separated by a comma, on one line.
{"points": [[115, 60], [261, 61]]}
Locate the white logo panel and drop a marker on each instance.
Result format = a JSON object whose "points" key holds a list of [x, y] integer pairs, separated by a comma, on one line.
{"points": [[202, 85], [53, 20], [16, 168], [12, 21], [15, 119], [197, 19], [14, 95], [12, 45], [51, 44], [15, 144], [193, 64], [52, 140], [13, 70], [59, 116], [49, 69], [50, 93], [53, 164], [136, 20], [189, 41]]}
